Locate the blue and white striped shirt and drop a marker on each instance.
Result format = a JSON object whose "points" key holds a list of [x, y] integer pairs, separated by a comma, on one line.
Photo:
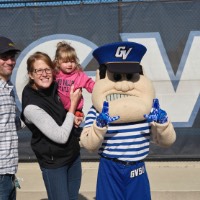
{"points": [[9, 122], [127, 141]]}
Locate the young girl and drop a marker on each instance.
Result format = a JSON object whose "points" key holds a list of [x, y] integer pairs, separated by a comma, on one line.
{"points": [[68, 73]]}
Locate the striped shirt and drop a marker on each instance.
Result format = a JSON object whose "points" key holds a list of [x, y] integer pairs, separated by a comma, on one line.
{"points": [[127, 141], [8, 129]]}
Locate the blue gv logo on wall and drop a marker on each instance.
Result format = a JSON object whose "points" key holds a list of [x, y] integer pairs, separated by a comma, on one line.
{"points": [[178, 93]]}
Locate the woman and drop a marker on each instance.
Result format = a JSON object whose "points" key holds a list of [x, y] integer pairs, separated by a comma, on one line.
{"points": [[53, 142]]}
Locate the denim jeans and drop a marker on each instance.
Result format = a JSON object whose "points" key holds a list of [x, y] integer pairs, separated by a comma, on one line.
{"points": [[7, 187], [63, 183]]}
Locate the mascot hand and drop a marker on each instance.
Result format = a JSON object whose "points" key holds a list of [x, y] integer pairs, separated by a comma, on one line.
{"points": [[157, 115], [104, 119]]}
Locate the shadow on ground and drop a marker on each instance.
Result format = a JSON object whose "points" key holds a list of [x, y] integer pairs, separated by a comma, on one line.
{"points": [[81, 197]]}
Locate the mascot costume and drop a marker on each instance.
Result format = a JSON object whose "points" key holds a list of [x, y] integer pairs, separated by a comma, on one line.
{"points": [[124, 117]]}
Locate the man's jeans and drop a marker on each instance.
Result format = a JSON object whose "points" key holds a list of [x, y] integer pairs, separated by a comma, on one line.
{"points": [[7, 187], [63, 183]]}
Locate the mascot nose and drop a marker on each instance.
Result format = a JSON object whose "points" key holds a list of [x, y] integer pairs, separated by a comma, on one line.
{"points": [[124, 86]]}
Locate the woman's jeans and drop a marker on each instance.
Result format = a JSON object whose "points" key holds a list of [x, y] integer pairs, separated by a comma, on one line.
{"points": [[63, 183], [7, 187]]}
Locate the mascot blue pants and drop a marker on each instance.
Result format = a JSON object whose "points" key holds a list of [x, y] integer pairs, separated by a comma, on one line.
{"points": [[117, 181]]}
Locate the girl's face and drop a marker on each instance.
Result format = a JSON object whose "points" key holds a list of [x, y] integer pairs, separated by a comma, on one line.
{"points": [[67, 67], [42, 75]]}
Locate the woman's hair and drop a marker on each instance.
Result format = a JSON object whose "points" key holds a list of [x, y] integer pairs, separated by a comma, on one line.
{"points": [[65, 52], [38, 56]]}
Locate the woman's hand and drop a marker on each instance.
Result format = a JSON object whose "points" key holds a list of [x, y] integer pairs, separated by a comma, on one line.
{"points": [[75, 97]]}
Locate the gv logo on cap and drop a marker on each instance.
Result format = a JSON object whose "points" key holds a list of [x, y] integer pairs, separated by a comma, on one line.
{"points": [[122, 52]]}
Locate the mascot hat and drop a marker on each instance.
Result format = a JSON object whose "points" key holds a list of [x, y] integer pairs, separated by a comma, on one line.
{"points": [[121, 57]]}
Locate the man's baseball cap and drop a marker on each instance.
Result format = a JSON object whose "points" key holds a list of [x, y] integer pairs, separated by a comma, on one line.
{"points": [[121, 57], [7, 45]]}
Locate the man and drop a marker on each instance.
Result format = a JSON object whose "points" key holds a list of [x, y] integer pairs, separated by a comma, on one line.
{"points": [[9, 121]]}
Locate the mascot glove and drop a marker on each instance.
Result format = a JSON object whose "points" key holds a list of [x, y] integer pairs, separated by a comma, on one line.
{"points": [[104, 119], [157, 115]]}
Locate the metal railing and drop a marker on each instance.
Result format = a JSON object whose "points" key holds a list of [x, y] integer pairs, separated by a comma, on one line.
{"points": [[38, 3]]}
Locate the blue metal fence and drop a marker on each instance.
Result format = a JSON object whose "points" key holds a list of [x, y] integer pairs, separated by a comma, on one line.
{"points": [[32, 3], [38, 3]]}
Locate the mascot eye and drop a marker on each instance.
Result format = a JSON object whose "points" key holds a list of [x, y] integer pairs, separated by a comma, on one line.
{"points": [[117, 77], [129, 76]]}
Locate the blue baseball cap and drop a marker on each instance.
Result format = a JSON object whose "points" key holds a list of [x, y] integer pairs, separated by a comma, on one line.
{"points": [[121, 57]]}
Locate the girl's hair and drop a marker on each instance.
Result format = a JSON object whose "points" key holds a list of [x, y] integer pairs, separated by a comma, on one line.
{"points": [[38, 56], [65, 52]]}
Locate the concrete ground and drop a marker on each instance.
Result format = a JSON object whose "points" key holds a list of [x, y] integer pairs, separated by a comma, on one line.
{"points": [[168, 180]]}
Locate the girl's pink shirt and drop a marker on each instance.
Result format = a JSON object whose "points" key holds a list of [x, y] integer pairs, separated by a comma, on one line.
{"points": [[79, 79]]}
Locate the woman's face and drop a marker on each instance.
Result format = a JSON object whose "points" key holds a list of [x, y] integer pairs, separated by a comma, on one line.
{"points": [[42, 75]]}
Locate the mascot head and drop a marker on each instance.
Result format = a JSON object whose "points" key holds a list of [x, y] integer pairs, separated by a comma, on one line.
{"points": [[120, 81]]}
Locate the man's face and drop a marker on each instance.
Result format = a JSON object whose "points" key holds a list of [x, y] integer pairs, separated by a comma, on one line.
{"points": [[7, 64], [130, 96]]}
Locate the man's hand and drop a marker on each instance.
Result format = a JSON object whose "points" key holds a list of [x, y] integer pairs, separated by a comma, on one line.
{"points": [[104, 119], [157, 115]]}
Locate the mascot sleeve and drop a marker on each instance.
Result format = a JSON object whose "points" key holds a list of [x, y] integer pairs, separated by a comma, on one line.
{"points": [[92, 137], [163, 135], [162, 130]]}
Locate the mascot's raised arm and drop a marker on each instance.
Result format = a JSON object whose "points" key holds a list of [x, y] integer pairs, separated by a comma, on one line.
{"points": [[124, 117]]}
